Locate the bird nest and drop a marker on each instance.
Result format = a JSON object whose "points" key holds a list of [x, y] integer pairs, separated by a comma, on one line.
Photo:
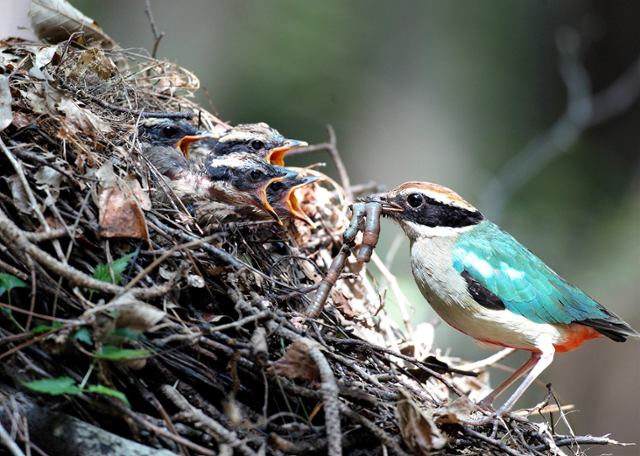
{"points": [[126, 321]]}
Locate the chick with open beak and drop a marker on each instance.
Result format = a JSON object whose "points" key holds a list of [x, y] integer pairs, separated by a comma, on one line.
{"points": [[242, 179], [258, 139], [281, 196], [173, 133]]}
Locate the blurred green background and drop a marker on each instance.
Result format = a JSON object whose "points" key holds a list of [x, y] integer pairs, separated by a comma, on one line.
{"points": [[448, 92]]}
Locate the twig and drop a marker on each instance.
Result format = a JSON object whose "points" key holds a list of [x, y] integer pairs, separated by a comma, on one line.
{"points": [[489, 361], [160, 115], [32, 199], [16, 235], [495, 443], [201, 420], [584, 110], [397, 291], [73, 275], [40, 237], [332, 148], [156, 36], [8, 442], [382, 436], [587, 440], [329, 390]]}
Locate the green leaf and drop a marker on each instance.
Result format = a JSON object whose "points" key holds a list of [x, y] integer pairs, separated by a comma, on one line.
{"points": [[109, 392], [102, 273], [102, 270], [45, 328], [111, 352], [83, 336], [120, 265], [53, 386], [9, 281]]}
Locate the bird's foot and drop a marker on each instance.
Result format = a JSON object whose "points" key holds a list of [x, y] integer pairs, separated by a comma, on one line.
{"points": [[485, 406]]}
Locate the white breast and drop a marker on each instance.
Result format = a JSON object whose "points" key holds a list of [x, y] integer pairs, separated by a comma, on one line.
{"points": [[445, 289]]}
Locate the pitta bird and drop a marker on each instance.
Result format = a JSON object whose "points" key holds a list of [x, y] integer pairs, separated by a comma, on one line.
{"points": [[483, 282]]}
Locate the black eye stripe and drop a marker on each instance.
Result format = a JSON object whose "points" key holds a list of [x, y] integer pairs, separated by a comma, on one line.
{"points": [[434, 213]]}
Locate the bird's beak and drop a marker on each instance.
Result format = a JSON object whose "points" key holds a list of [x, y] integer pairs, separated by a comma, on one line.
{"points": [[184, 142], [294, 205], [263, 203], [381, 198], [276, 157]]}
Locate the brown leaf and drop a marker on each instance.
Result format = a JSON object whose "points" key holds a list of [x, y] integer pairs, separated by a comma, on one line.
{"points": [[342, 303], [92, 61], [418, 431], [295, 364], [22, 120], [56, 20], [456, 412], [139, 194], [83, 119], [120, 215]]}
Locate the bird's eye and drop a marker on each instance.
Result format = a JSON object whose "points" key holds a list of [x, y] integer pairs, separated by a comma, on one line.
{"points": [[257, 145], [169, 131], [255, 174], [415, 200], [276, 186]]}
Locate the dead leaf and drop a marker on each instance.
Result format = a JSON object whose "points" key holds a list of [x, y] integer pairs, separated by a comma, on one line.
{"points": [[82, 118], [456, 412], [5, 102], [120, 215], [134, 314], [92, 61], [22, 120], [56, 20], [105, 175], [51, 96], [20, 198], [296, 363], [418, 431], [44, 55], [140, 195], [48, 177], [342, 303], [35, 100]]}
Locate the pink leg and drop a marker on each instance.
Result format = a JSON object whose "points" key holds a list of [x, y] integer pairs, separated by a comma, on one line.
{"points": [[543, 360], [538, 362], [532, 361]]}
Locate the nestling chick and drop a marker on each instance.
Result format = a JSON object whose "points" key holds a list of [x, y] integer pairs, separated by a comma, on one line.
{"points": [[258, 139], [237, 180], [170, 133], [281, 196]]}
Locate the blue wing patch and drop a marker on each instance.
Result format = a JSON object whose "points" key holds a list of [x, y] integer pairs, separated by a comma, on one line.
{"points": [[525, 285]]}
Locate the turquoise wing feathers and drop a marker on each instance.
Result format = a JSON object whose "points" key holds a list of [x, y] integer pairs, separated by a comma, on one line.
{"points": [[526, 285]]}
